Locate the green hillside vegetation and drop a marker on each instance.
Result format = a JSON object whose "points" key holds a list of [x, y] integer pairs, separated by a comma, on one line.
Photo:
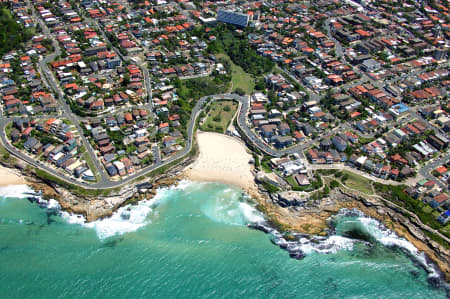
{"points": [[12, 34], [199, 87], [237, 47], [240, 79]]}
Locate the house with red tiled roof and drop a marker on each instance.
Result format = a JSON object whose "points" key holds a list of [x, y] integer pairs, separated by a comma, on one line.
{"points": [[128, 117], [398, 159], [394, 173], [429, 184], [441, 170], [439, 200], [299, 136]]}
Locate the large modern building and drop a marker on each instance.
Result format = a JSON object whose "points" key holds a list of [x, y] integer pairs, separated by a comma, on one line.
{"points": [[232, 17]]}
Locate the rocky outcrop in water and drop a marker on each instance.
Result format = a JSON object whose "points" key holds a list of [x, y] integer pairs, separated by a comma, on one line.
{"points": [[408, 227], [289, 211], [93, 208]]}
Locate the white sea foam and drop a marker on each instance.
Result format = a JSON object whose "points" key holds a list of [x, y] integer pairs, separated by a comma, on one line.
{"points": [[16, 191], [52, 204], [132, 217], [250, 213], [222, 210], [124, 220], [339, 243], [127, 219], [227, 207], [73, 218], [184, 184], [329, 245], [390, 238], [308, 244]]}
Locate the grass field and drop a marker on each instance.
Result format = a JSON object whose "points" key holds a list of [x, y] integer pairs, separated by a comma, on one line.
{"points": [[91, 166], [357, 182], [219, 116], [265, 166], [446, 228], [239, 78]]}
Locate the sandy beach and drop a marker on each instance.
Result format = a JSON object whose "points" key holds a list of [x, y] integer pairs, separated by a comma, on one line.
{"points": [[222, 159], [10, 177]]}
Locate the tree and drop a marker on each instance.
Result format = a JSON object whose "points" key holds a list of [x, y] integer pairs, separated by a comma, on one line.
{"points": [[344, 177], [13, 35], [326, 190], [260, 85], [126, 80]]}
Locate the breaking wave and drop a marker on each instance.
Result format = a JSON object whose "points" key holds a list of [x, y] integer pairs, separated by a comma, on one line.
{"points": [[233, 207], [389, 238], [230, 206], [251, 214], [17, 191], [227, 208], [352, 226], [126, 219]]}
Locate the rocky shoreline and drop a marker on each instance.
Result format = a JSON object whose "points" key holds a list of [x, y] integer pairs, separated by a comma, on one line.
{"points": [[102, 206], [312, 217], [284, 211]]}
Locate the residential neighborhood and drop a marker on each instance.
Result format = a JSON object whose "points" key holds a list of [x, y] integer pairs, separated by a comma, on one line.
{"points": [[105, 91], [181, 143]]}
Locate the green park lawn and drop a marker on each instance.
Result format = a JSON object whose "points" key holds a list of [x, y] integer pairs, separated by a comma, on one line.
{"points": [[239, 78], [357, 182], [219, 116]]}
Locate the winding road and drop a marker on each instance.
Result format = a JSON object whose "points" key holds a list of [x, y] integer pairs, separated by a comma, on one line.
{"points": [[105, 181]]}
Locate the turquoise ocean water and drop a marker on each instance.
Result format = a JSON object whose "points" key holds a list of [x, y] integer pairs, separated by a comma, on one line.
{"points": [[192, 241]]}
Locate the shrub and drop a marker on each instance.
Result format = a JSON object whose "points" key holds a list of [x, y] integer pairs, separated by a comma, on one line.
{"points": [[334, 184], [270, 188], [326, 190], [344, 177]]}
